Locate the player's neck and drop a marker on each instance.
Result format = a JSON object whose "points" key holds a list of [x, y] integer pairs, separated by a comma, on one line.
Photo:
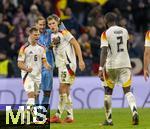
{"points": [[33, 43], [111, 24], [55, 31]]}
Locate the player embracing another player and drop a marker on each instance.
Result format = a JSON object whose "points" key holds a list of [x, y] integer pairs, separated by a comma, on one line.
{"points": [[65, 50]]}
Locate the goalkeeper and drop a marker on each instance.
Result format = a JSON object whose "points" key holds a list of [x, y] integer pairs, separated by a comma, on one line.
{"points": [[47, 76]]}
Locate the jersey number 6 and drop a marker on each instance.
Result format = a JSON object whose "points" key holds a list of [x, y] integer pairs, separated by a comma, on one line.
{"points": [[35, 57]]}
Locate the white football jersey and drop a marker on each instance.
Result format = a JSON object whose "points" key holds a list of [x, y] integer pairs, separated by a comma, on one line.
{"points": [[147, 39], [32, 56], [64, 52], [115, 38]]}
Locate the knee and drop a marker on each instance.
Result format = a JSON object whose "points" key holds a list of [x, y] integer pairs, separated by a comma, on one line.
{"points": [[47, 93], [31, 95], [108, 91], [126, 89], [63, 88]]}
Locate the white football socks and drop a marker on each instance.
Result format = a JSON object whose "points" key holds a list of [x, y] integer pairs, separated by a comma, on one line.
{"points": [[69, 107], [131, 101], [108, 108], [62, 103]]}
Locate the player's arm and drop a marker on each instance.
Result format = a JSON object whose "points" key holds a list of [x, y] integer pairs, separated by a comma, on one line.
{"points": [[146, 62], [21, 59], [103, 55], [78, 52], [44, 61], [22, 66], [46, 65], [147, 55]]}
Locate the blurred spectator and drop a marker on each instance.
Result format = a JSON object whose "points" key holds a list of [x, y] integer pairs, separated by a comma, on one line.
{"points": [[100, 25], [46, 8], [20, 31], [85, 46], [7, 8], [95, 13], [6, 69], [4, 31], [71, 22], [19, 15], [33, 14], [95, 49]]}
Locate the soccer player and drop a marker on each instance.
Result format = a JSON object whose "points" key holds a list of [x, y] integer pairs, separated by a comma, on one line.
{"points": [[47, 76], [147, 55], [115, 59], [30, 60], [65, 50]]}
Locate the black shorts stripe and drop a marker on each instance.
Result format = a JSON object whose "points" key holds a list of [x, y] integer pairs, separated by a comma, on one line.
{"points": [[25, 76]]}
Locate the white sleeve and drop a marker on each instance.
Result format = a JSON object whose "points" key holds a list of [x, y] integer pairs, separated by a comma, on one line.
{"points": [[104, 42], [147, 39], [67, 35], [21, 55]]}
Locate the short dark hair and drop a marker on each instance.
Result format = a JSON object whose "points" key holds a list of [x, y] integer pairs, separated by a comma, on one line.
{"points": [[39, 18], [55, 17], [110, 17], [32, 29]]}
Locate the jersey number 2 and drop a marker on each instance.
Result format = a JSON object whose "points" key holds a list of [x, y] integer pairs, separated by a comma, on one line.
{"points": [[35, 57], [120, 41]]}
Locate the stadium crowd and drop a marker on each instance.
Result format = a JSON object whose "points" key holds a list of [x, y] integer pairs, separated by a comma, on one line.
{"points": [[84, 20]]}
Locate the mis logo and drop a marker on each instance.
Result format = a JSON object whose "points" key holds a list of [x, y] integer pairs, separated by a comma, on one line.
{"points": [[26, 114]]}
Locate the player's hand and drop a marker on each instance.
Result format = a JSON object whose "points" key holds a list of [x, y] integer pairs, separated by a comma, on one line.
{"points": [[146, 74], [49, 67], [100, 74], [81, 65], [56, 41], [29, 70]]}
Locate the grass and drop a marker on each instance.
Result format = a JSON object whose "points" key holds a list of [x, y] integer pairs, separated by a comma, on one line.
{"points": [[90, 119]]}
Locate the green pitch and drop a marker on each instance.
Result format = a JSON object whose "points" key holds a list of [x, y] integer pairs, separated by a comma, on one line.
{"points": [[90, 119]]}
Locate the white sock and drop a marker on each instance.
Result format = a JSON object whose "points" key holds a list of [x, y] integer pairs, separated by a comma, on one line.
{"points": [[131, 101], [62, 104], [69, 107], [107, 107], [31, 103]]}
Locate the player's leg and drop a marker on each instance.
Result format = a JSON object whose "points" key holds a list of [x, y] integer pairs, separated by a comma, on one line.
{"points": [[107, 105], [125, 78], [39, 111], [63, 89], [69, 105], [108, 89], [47, 83], [29, 88], [63, 98], [69, 108]]}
